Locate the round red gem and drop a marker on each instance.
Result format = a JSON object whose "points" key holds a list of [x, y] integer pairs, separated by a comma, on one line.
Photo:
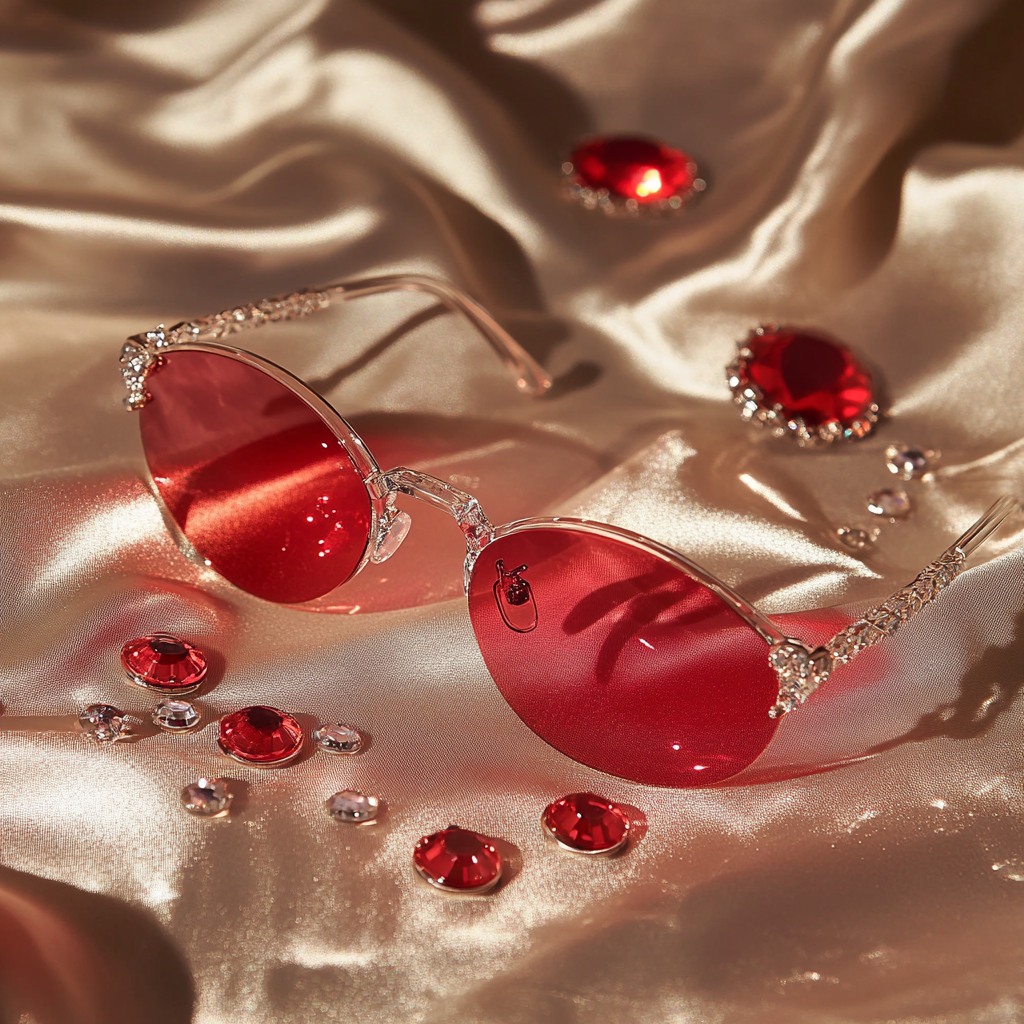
{"points": [[810, 377], [633, 168], [458, 860], [260, 736], [163, 662], [586, 823]]}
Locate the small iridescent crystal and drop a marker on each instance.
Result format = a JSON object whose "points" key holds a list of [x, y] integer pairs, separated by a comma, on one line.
{"points": [[908, 462], [891, 505], [207, 798], [338, 739], [104, 723], [351, 805], [854, 538], [175, 715]]}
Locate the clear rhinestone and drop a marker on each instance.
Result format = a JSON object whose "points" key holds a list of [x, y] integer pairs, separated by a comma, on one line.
{"points": [[338, 739], [175, 715], [907, 462], [790, 662], [891, 505], [854, 538], [104, 723], [351, 805], [207, 798], [885, 619]]}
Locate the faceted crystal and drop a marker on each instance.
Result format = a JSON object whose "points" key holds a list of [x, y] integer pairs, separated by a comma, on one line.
{"points": [[351, 805], [891, 505], [458, 860], [908, 463], [207, 798], [163, 662], [634, 168], [261, 736], [586, 823], [338, 739], [104, 723], [808, 377], [175, 715]]}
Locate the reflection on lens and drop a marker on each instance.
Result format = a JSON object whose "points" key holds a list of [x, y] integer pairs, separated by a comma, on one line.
{"points": [[256, 480], [631, 666]]}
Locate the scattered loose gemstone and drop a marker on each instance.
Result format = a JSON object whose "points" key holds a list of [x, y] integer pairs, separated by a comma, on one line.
{"points": [[908, 463], [104, 723], [338, 739], [261, 736], [635, 169], [207, 798], [891, 505], [810, 379], [458, 860], [854, 538], [163, 662], [585, 823], [351, 805], [175, 715]]}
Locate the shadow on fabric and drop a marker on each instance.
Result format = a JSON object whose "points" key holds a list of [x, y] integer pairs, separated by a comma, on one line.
{"points": [[73, 957]]}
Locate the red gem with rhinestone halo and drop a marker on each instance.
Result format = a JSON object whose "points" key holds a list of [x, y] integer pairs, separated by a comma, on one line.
{"points": [[260, 736], [634, 168], [586, 823], [163, 662], [458, 860], [812, 386]]}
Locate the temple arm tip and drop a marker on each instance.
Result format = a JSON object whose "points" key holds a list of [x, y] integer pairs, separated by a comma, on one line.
{"points": [[535, 387]]}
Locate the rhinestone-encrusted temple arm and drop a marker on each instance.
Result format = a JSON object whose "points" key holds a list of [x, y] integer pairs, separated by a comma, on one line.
{"points": [[141, 352], [801, 670]]}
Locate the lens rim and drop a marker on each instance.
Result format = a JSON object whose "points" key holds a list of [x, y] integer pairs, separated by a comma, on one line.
{"points": [[354, 446], [760, 624]]}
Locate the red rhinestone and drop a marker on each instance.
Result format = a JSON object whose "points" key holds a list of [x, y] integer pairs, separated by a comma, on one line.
{"points": [[260, 736], [810, 377], [586, 823], [163, 662], [458, 860], [634, 168]]}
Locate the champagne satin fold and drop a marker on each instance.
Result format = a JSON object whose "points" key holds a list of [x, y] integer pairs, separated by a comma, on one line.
{"points": [[866, 172]]}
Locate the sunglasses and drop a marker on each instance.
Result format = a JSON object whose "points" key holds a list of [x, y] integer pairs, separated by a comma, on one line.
{"points": [[621, 653]]}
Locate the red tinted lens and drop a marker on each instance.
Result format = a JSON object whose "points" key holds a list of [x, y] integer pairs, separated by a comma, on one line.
{"points": [[256, 480], [620, 660]]}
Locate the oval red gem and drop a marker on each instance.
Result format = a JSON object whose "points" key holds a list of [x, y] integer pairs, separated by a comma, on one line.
{"points": [[586, 823], [260, 735], [810, 377], [634, 168], [163, 662], [458, 860]]}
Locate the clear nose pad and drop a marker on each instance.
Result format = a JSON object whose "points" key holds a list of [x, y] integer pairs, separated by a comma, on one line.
{"points": [[514, 597], [390, 535]]}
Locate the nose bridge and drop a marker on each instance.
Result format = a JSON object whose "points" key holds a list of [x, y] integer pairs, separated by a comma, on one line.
{"points": [[467, 512]]}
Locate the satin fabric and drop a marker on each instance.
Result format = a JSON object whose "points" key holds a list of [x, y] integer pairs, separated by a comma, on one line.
{"points": [[866, 176]]}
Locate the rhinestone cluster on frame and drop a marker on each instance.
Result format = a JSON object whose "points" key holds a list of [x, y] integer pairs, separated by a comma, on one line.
{"points": [[140, 354], [800, 671]]}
